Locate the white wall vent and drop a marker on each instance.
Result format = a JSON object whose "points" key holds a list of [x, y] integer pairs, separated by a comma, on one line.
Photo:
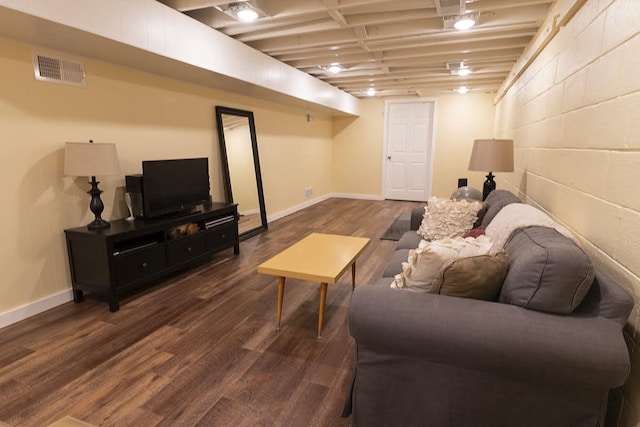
{"points": [[58, 70]]}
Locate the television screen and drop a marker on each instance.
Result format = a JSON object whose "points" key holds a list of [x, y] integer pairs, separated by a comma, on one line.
{"points": [[171, 186]]}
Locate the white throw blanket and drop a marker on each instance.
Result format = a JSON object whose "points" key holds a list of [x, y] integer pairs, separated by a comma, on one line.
{"points": [[520, 215]]}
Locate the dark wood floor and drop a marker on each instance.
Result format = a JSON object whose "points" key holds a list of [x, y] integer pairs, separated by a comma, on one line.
{"points": [[200, 348]]}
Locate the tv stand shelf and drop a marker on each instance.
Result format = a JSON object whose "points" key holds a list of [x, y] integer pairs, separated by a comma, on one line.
{"points": [[131, 253]]}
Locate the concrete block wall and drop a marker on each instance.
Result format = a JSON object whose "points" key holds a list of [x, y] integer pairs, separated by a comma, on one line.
{"points": [[574, 115]]}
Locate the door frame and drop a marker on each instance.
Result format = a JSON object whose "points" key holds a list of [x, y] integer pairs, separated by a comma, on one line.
{"points": [[387, 104]]}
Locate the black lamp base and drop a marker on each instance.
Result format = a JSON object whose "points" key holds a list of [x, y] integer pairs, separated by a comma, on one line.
{"points": [[96, 206], [488, 186], [98, 224]]}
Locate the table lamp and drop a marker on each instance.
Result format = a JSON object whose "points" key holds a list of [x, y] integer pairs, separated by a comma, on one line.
{"points": [[91, 159], [493, 155]]}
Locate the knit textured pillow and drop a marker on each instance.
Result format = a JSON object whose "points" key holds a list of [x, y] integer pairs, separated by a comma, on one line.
{"points": [[448, 218]]}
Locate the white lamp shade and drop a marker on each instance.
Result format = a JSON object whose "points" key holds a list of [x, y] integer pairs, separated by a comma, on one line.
{"points": [[90, 159], [492, 155]]}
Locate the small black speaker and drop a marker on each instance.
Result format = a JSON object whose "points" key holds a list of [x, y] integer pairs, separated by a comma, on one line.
{"points": [[133, 183], [133, 186]]}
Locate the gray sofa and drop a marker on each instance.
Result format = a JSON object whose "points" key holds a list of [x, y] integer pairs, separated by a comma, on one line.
{"points": [[535, 357]]}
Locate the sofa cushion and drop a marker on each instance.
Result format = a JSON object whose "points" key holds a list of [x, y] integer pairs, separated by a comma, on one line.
{"points": [[496, 200], [481, 213], [547, 271], [477, 277], [394, 265], [409, 240], [448, 217]]}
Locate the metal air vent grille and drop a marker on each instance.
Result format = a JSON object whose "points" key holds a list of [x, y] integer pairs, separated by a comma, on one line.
{"points": [[59, 70]]}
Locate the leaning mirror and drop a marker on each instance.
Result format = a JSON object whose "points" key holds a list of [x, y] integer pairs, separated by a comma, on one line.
{"points": [[241, 168]]}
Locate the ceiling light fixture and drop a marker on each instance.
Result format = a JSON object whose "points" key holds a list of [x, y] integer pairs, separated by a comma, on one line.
{"points": [[458, 68], [335, 68], [464, 22], [371, 91], [247, 15], [462, 90], [464, 70], [243, 11]]}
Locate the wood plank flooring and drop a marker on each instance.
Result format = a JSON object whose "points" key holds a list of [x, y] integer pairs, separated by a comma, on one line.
{"points": [[200, 348]]}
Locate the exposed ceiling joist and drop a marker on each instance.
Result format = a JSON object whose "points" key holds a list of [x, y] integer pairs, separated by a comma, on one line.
{"points": [[396, 46]]}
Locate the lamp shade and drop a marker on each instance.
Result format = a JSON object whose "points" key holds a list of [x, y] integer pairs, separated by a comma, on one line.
{"points": [[90, 159], [495, 155]]}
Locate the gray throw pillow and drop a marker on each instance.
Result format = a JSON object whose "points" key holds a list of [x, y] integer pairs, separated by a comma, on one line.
{"points": [[547, 271]]}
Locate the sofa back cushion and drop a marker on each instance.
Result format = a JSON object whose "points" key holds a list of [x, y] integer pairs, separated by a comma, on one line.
{"points": [[547, 271], [496, 200]]}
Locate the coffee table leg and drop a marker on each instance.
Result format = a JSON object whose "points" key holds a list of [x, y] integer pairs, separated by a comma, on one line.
{"points": [[353, 275], [280, 298], [323, 299]]}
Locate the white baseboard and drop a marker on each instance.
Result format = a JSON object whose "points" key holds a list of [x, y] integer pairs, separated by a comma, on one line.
{"points": [[250, 212], [296, 208], [25, 311]]}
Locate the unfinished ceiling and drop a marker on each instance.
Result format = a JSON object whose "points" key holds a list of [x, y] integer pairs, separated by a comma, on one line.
{"points": [[395, 47]]}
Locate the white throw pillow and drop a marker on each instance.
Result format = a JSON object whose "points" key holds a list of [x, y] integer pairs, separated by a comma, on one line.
{"points": [[448, 217], [424, 262]]}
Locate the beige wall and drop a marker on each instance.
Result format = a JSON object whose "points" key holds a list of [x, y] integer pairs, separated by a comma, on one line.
{"points": [[575, 118], [461, 119], [357, 151], [294, 155], [148, 117], [358, 144]]}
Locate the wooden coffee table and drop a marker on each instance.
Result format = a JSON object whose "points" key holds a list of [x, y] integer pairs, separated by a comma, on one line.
{"points": [[317, 258]]}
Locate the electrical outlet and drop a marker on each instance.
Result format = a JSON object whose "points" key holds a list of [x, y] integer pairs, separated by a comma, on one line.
{"points": [[308, 192]]}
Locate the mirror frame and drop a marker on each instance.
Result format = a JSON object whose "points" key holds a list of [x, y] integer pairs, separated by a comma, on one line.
{"points": [[220, 110]]}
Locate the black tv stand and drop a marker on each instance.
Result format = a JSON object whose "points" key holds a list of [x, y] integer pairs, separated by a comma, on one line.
{"points": [[182, 213], [132, 253]]}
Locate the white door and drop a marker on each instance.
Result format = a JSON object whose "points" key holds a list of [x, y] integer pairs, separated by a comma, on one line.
{"points": [[408, 141]]}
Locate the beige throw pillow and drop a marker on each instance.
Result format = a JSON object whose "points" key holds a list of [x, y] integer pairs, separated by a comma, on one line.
{"points": [[477, 277], [448, 217], [424, 262]]}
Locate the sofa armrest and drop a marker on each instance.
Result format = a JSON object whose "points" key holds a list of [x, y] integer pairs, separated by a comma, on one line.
{"points": [[417, 214], [507, 340]]}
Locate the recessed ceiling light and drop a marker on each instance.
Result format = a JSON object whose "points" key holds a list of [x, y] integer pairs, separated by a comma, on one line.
{"points": [[243, 11], [334, 68], [464, 22], [462, 89], [247, 15], [458, 68], [371, 91], [464, 71]]}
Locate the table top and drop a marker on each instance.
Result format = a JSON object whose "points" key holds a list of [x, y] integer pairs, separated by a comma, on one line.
{"points": [[318, 257]]}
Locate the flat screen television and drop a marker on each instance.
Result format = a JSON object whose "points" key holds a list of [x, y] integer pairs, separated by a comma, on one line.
{"points": [[173, 186]]}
